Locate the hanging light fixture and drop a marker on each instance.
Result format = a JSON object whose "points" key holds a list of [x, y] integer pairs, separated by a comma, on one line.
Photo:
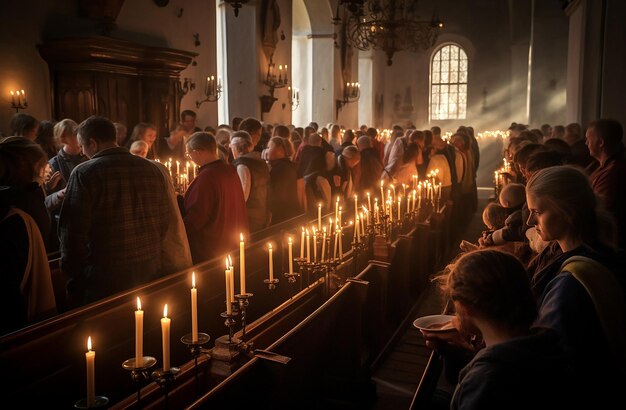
{"points": [[388, 25], [237, 4]]}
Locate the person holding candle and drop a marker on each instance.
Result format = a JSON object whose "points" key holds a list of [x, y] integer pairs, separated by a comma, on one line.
{"points": [[215, 210]]}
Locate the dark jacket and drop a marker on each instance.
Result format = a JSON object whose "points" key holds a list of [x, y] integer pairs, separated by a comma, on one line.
{"points": [[283, 196], [257, 203]]}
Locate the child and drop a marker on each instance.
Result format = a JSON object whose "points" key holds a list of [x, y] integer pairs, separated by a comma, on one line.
{"points": [[513, 199]]}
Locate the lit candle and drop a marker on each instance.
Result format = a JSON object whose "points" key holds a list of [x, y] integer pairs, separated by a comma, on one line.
{"points": [[242, 265], [90, 358], [290, 256], [376, 216], [339, 220], [340, 243], [177, 167], [330, 225], [369, 202], [336, 244], [271, 261], [399, 208], [302, 244], [319, 217], [13, 98], [356, 229], [382, 193], [323, 244], [314, 244], [361, 227], [356, 206], [337, 209], [165, 332], [308, 246], [227, 276], [194, 308], [232, 279], [138, 334]]}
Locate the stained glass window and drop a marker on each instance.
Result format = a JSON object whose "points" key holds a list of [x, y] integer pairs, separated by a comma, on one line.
{"points": [[448, 83]]}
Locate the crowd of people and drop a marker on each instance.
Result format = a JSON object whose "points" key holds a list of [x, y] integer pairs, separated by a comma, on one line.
{"points": [[539, 294], [539, 299]]}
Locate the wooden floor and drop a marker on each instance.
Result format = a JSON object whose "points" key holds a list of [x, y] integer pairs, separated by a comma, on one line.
{"points": [[398, 373]]}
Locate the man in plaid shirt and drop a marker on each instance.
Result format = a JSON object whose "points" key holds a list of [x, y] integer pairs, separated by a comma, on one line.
{"points": [[113, 218]]}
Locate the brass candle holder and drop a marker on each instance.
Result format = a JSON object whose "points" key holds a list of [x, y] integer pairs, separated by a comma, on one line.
{"points": [[139, 372], [243, 299], [195, 347]]}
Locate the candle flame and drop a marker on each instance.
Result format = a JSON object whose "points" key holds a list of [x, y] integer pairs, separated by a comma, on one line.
{"points": [[230, 261], [227, 265], [89, 343], [270, 246], [324, 230], [138, 303], [165, 310], [381, 183], [241, 237], [193, 279], [289, 239]]}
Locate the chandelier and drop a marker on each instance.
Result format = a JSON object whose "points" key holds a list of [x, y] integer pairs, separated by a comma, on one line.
{"points": [[388, 25]]}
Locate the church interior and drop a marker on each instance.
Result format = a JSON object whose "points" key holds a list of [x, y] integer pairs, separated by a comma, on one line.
{"points": [[308, 313]]}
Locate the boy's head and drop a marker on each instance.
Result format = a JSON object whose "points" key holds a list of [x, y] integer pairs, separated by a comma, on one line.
{"points": [[513, 195], [494, 216]]}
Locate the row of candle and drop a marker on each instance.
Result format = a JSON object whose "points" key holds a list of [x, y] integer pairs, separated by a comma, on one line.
{"points": [[18, 98]]}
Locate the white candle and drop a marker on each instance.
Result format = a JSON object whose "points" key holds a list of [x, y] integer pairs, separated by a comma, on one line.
{"points": [[290, 256], [308, 246], [232, 279], [336, 243], [356, 207], [339, 220], [323, 244], [90, 358], [165, 332], [227, 276], [337, 209], [242, 265], [302, 245], [361, 227], [138, 334], [271, 262], [319, 217], [314, 244], [194, 308], [369, 201], [340, 243], [382, 193], [399, 208]]}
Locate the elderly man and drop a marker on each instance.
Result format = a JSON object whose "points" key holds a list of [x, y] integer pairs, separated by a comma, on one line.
{"points": [[215, 210], [604, 140], [115, 213], [255, 179]]}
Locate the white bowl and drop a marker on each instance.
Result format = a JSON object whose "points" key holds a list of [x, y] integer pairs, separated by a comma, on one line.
{"points": [[435, 323]]}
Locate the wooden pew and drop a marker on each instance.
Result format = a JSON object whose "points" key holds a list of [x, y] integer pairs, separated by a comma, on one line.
{"points": [[47, 361]]}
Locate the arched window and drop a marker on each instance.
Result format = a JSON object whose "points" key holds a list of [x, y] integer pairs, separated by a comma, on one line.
{"points": [[448, 83]]}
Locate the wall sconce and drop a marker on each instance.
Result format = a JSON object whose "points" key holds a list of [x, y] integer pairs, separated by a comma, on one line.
{"points": [[212, 90], [351, 93], [294, 98], [187, 86], [18, 100], [273, 82], [236, 5]]}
